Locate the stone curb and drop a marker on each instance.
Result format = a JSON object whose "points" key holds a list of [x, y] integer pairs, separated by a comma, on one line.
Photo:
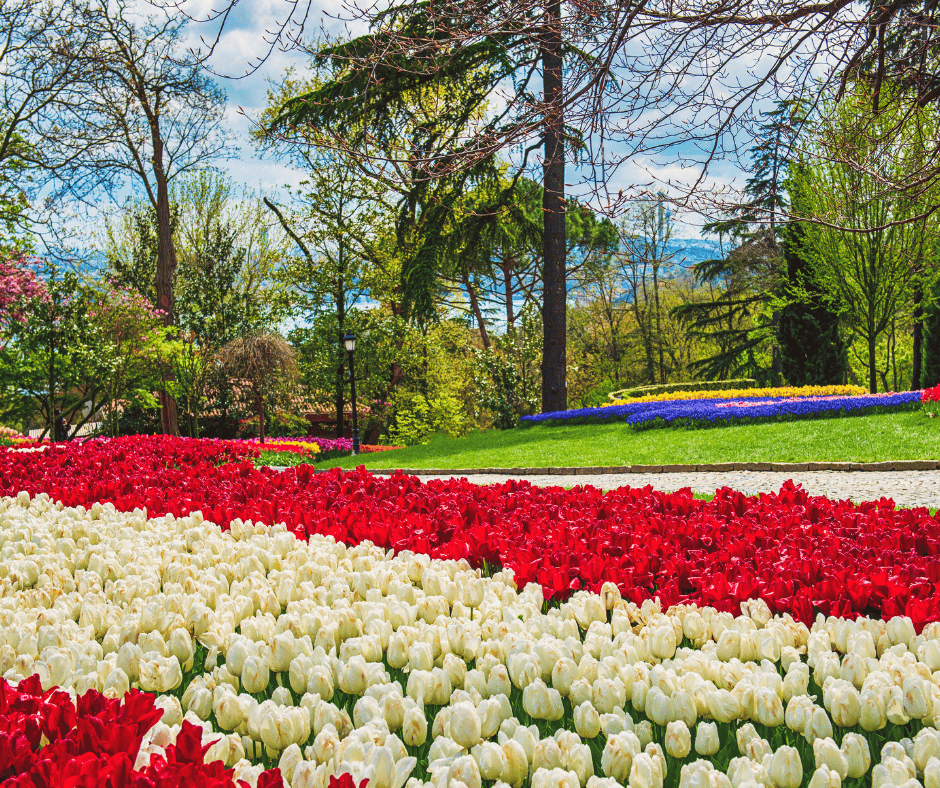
{"points": [[720, 467]]}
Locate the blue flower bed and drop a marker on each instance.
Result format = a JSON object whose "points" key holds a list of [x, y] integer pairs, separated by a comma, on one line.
{"points": [[714, 412]]}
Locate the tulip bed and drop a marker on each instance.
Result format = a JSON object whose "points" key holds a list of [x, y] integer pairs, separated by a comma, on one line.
{"points": [[708, 412], [165, 651], [801, 554]]}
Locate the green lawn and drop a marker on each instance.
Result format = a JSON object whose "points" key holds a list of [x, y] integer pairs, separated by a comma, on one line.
{"points": [[882, 437]]}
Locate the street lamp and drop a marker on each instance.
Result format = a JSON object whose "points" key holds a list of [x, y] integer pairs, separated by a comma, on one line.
{"points": [[350, 342]]}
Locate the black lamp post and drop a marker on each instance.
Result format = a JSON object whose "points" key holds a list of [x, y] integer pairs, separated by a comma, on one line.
{"points": [[350, 342]]}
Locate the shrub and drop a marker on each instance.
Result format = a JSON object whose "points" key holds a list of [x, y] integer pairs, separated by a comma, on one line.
{"points": [[419, 418]]}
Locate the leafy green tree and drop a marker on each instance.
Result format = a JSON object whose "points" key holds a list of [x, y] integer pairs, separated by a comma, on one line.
{"points": [[226, 249], [869, 242], [813, 352], [80, 351], [507, 374], [745, 318], [334, 221], [931, 346], [375, 79], [143, 113]]}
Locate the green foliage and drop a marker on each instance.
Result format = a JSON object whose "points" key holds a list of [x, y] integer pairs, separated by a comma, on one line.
{"points": [[137, 421], [77, 352], [869, 244], [285, 424], [287, 459], [226, 254], [418, 417], [812, 351], [506, 376], [698, 385]]}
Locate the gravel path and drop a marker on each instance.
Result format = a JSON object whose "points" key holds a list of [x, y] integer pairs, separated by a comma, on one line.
{"points": [[907, 488]]}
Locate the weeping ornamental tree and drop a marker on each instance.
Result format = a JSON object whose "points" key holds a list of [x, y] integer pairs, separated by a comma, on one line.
{"points": [[266, 362]]}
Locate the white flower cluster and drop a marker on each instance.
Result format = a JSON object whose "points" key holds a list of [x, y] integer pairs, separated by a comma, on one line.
{"points": [[326, 660]]}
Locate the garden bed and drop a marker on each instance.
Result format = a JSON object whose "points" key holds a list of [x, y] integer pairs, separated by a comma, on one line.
{"points": [[390, 630]]}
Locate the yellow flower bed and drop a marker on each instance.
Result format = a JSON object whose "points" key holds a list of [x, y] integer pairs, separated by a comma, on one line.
{"points": [[780, 391], [272, 444]]}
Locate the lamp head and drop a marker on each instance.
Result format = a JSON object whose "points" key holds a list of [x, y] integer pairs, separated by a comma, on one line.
{"points": [[349, 341]]}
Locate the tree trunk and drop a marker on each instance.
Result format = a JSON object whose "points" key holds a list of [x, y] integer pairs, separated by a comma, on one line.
{"points": [[776, 364], [477, 313], [872, 366], [554, 296], [917, 350], [261, 417], [507, 275], [52, 418], [166, 268], [339, 299]]}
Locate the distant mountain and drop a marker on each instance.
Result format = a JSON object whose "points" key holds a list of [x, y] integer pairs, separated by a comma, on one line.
{"points": [[689, 251]]}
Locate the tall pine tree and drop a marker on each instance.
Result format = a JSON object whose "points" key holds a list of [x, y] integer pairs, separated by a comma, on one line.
{"points": [[742, 321]]}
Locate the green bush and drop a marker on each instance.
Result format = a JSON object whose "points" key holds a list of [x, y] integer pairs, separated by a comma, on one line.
{"points": [[695, 385], [286, 425], [419, 418]]}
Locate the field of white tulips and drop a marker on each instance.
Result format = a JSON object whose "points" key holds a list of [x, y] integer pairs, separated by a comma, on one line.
{"points": [[326, 660]]}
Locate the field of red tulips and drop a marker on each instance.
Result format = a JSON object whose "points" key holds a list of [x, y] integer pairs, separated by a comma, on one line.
{"points": [[801, 554], [94, 741]]}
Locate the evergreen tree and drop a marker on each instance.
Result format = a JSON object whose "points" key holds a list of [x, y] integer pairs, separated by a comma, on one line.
{"points": [[742, 320], [812, 351]]}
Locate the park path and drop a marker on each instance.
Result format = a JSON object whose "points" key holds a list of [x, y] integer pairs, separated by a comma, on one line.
{"points": [[907, 488]]}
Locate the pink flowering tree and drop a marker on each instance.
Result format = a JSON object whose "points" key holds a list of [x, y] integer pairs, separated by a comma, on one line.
{"points": [[19, 286]]}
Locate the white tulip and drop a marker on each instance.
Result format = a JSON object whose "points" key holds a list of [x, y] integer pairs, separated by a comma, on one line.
{"points": [[645, 772], [491, 760], [678, 739], [828, 754], [706, 739], [824, 777], [465, 770], [857, 754], [786, 769], [587, 721], [932, 774], [618, 754], [414, 729]]}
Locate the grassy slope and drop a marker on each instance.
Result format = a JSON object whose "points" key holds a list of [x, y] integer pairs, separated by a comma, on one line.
{"points": [[894, 436]]}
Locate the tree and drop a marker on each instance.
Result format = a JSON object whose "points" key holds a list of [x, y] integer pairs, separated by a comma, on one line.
{"points": [[266, 361], [77, 350], [870, 270], [372, 88], [813, 352], [131, 342], [41, 47], [143, 113], [931, 351], [19, 284], [333, 223]]}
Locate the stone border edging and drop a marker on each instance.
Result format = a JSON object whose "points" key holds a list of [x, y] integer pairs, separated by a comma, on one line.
{"points": [[719, 467]]}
